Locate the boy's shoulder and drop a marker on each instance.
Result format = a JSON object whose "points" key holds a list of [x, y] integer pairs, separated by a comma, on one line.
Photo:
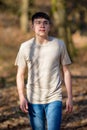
{"points": [[58, 41], [27, 43]]}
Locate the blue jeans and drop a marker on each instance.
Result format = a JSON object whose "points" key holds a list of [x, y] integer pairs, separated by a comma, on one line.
{"points": [[42, 114]]}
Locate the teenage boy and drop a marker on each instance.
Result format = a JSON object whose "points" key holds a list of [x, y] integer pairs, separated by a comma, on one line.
{"points": [[43, 55]]}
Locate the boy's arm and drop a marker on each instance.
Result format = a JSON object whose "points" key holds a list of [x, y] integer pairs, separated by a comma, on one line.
{"points": [[68, 84], [20, 88]]}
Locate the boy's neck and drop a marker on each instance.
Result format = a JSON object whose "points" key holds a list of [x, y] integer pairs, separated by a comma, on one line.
{"points": [[42, 40]]}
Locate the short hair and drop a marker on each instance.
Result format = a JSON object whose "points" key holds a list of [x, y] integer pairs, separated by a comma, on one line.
{"points": [[40, 15]]}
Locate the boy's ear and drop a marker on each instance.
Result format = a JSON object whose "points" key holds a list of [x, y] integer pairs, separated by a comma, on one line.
{"points": [[32, 27]]}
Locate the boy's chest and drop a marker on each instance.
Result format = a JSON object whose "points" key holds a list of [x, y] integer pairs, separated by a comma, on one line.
{"points": [[44, 53]]}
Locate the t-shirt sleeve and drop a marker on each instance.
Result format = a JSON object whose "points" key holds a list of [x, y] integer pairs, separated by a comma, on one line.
{"points": [[20, 59], [65, 59]]}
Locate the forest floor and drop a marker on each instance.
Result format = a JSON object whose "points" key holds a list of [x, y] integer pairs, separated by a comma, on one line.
{"points": [[11, 117]]}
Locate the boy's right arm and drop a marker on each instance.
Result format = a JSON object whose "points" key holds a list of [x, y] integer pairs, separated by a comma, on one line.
{"points": [[20, 88]]}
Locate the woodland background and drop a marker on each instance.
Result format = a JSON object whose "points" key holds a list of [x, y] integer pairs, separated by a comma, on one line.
{"points": [[69, 22]]}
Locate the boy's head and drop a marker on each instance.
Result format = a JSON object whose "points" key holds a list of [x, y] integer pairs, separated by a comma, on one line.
{"points": [[41, 24], [40, 15]]}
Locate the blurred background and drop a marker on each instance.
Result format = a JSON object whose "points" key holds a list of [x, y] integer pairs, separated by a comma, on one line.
{"points": [[69, 22]]}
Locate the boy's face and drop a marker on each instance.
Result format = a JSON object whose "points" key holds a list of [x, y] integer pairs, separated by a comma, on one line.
{"points": [[41, 27]]}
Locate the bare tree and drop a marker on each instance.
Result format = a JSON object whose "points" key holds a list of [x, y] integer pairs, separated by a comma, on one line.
{"points": [[24, 15], [61, 25]]}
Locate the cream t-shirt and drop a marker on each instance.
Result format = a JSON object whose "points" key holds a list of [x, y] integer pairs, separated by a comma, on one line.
{"points": [[43, 62]]}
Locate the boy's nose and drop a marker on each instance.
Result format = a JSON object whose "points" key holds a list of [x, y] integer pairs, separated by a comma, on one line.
{"points": [[42, 24]]}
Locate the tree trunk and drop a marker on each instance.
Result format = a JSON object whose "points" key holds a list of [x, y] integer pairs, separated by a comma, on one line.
{"points": [[24, 15], [63, 30]]}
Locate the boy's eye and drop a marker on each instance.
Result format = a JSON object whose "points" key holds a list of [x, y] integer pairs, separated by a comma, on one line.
{"points": [[46, 22], [38, 22]]}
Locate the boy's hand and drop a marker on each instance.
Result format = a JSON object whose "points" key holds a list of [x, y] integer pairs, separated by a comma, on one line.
{"points": [[24, 104], [69, 105]]}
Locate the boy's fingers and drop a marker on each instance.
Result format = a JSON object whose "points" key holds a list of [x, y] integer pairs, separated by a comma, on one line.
{"points": [[69, 108], [24, 107]]}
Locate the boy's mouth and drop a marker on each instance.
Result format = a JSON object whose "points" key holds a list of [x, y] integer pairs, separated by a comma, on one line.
{"points": [[42, 30]]}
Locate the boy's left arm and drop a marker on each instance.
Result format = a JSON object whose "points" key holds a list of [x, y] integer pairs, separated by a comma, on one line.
{"points": [[68, 84]]}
